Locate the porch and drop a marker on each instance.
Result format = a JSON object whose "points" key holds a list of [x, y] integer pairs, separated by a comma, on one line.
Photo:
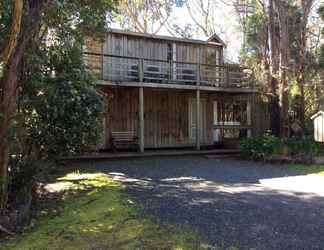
{"points": [[168, 118]]}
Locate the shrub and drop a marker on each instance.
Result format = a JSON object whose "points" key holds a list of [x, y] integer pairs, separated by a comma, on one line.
{"points": [[267, 145], [66, 117], [303, 146], [260, 147]]}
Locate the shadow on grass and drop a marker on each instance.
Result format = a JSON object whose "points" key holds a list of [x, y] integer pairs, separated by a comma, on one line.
{"points": [[94, 213]]}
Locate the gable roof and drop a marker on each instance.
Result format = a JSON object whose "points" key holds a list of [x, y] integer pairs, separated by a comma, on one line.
{"points": [[217, 39], [317, 114], [214, 41]]}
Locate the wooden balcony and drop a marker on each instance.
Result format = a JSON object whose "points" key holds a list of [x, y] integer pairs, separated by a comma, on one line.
{"points": [[134, 71]]}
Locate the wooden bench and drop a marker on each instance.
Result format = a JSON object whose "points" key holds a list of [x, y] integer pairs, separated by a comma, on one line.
{"points": [[125, 139]]}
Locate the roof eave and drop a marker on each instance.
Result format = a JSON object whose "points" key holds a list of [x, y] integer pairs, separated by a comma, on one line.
{"points": [[317, 114], [161, 37]]}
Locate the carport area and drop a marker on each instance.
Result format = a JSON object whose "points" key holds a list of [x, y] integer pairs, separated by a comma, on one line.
{"points": [[230, 203]]}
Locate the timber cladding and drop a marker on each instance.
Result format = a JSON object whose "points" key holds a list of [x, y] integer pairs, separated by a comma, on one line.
{"points": [[166, 116], [148, 48], [167, 121]]}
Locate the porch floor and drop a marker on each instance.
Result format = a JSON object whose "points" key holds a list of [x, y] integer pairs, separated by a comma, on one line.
{"points": [[153, 153]]}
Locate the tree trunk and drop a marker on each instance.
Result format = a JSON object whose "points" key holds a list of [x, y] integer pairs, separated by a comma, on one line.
{"points": [[283, 70], [12, 56], [306, 6], [274, 70], [8, 89], [7, 110], [301, 79]]}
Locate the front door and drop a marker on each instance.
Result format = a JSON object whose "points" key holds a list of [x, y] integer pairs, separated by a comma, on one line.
{"points": [[193, 119]]}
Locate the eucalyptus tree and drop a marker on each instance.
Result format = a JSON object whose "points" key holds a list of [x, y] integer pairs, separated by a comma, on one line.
{"points": [[145, 16], [29, 25]]}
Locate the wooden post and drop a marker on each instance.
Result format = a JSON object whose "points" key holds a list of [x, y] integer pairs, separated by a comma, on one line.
{"points": [[198, 119], [249, 118], [141, 105], [141, 118], [198, 104]]}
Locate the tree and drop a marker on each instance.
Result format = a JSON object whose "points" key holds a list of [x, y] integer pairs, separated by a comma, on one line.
{"points": [[305, 9], [277, 34], [11, 57], [145, 16], [203, 15], [28, 22]]}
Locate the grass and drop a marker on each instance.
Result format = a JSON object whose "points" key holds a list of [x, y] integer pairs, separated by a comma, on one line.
{"points": [[95, 213], [308, 169]]}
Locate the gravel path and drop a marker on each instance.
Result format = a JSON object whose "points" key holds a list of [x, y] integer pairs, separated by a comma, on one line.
{"points": [[229, 202]]}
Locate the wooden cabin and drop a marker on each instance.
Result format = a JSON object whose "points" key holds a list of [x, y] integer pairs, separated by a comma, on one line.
{"points": [[166, 92]]}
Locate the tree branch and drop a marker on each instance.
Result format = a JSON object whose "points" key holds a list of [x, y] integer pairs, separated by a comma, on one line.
{"points": [[14, 31]]}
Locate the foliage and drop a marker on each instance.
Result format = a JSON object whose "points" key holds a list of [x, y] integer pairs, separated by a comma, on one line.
{"points": [[267, 145], [306, 60], [96, 214], [257, 148], [66, 117], [62, 112], [58, 110], [145, 16], [303, 146]]}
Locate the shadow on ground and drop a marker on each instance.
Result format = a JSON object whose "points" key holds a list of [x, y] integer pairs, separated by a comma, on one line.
{"points": [[223, 200]]}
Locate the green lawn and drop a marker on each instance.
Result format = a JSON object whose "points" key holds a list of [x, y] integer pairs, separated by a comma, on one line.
{"points": [[95, 213], [308, 169]]}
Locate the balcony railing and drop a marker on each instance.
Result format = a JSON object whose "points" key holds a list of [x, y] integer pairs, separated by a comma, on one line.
{"points": [[133, 69]]}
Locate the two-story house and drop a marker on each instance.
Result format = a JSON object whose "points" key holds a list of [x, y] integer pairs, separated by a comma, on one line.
{"points": [[172, 92]]}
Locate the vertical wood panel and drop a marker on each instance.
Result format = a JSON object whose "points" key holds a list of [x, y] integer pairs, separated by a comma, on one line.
{"points": [[166, 119]]}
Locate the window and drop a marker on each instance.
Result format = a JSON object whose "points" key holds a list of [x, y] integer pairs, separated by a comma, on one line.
{"points": [[231, 113], [231, 120]]}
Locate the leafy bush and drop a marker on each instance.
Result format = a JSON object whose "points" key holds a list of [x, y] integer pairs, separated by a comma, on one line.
{"points": [[267, 145], [303, 146], [65, 117], [60, 108], [260, 147]]}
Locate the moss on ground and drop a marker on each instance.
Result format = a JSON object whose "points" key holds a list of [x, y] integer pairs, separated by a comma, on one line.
{"points": [[308, 169], [95, 213]]}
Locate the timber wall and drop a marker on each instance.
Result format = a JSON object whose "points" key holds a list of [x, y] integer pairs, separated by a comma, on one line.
{"points": [[166, 115]]}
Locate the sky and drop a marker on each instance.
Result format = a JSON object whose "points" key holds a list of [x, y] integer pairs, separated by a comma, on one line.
{"points": [[225, 20]]}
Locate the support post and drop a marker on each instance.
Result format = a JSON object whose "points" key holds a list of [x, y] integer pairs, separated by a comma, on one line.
{"points": [[249, 118], [198, 119], [198, 103], [141, 119], [141, 105]]}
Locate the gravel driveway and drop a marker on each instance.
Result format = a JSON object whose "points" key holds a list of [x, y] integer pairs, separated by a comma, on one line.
{"points": [[229, 202]]}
